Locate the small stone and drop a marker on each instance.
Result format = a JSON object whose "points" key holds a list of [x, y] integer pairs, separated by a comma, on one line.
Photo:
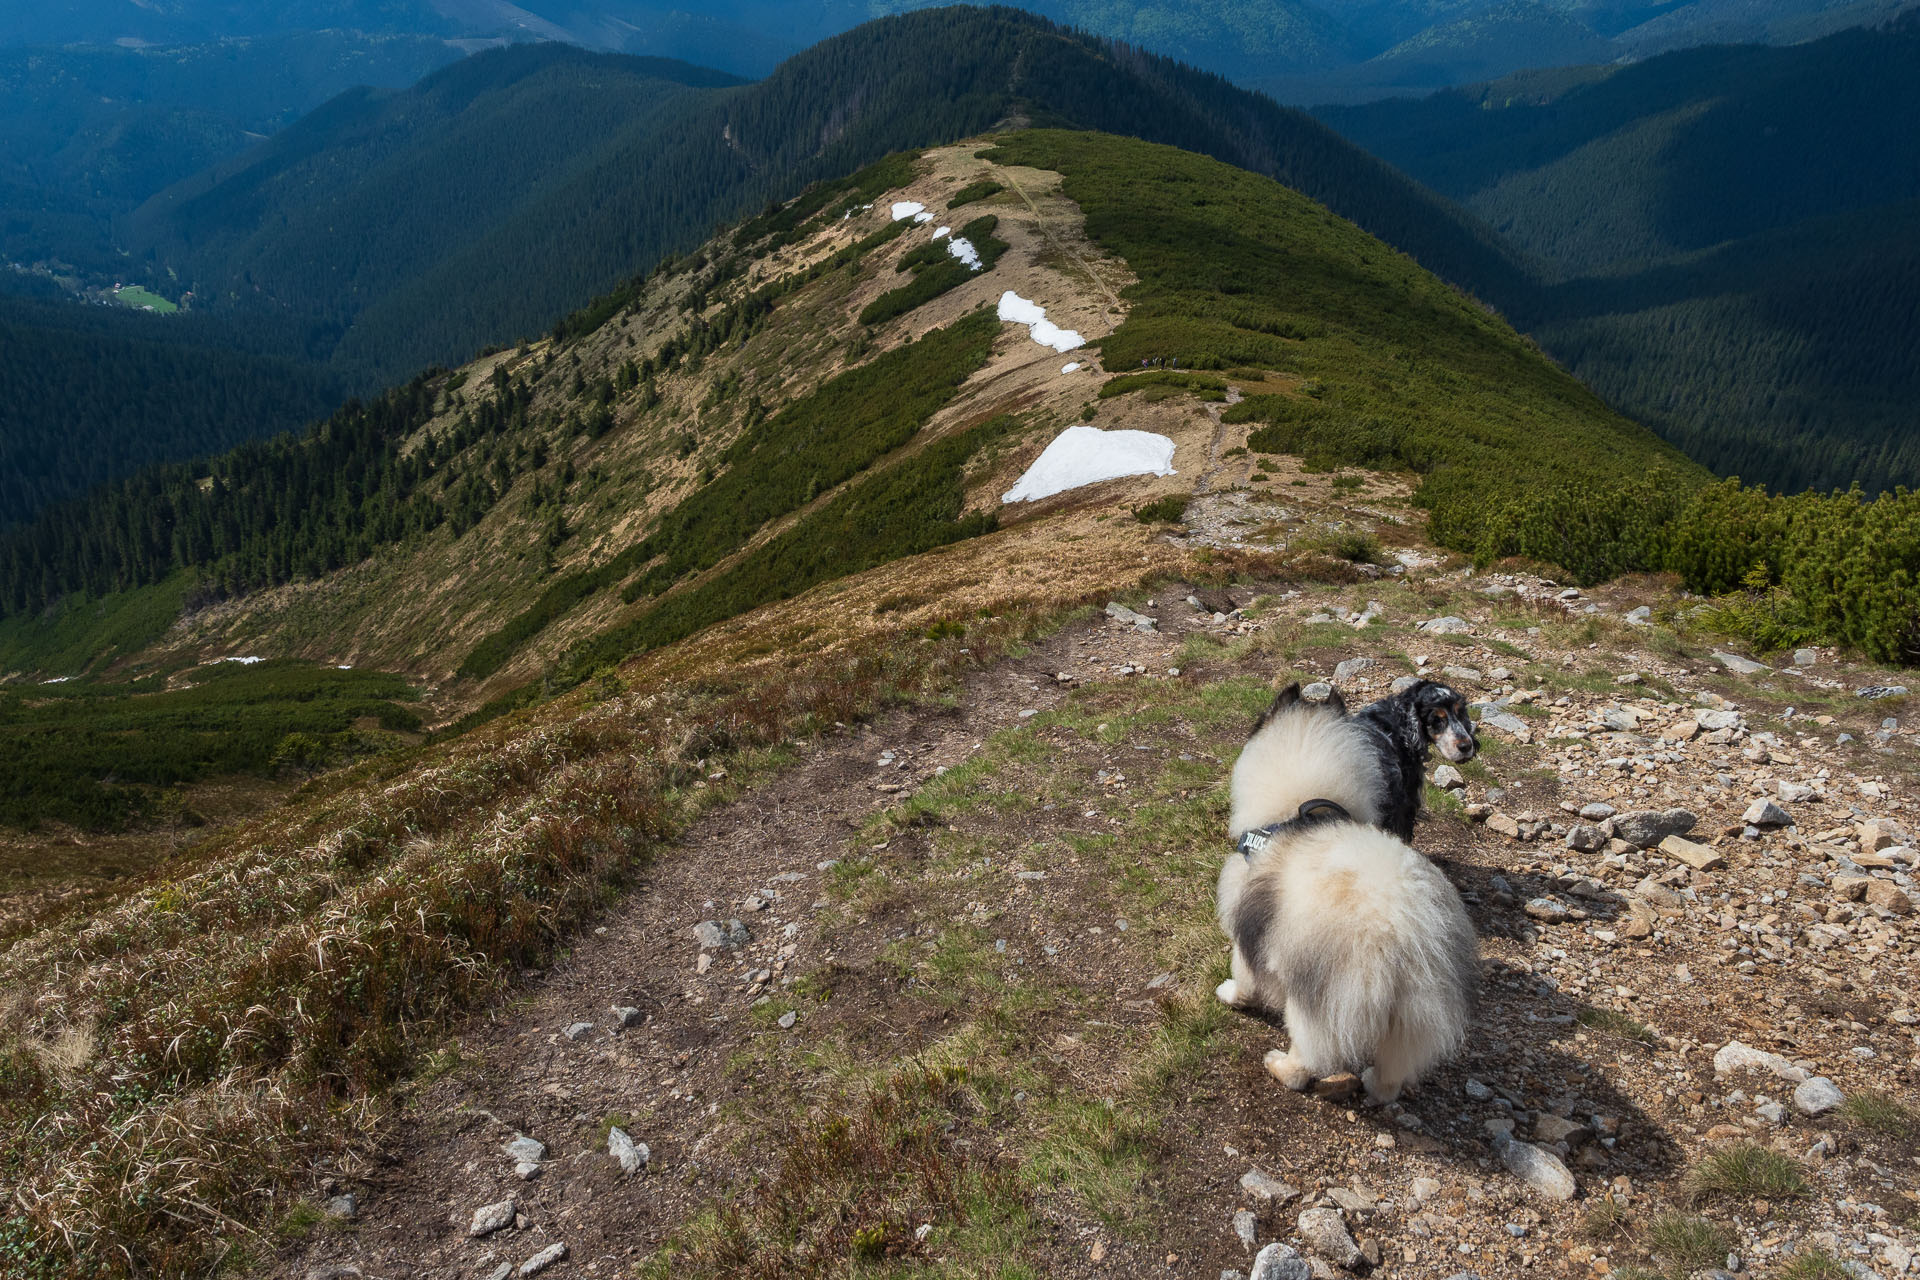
{"points": [[1403, 683], [1548, 910], [578, 1029], [1717, 719], [1140, 621], [1351, 667], [1447, 778], [1503, 824], [1246, 1226], [1318, 691], [1337, 1087], [540, 1261], [1538, 1168], [489, 1218], [1550, 1128], [1765, 813], [1646, 828], [1816, 1096], [1888, 897], [524, 1149], [627, 1017], [711, 934], [1477, 1091], [1586, 838], [344, 1208], [1738, 665], [1875, 692], [787, 1020], [1772, 1112], [1264, 1189], [1280, 1262], [1447, 626], [1805, 657], [1639, 922], [1736, 1056], [1598, 811], [1697, 856], [1793, 792], [632, 1156], [526, 1170], [1462, 675], [1423, 1190], [1324, 1231]]}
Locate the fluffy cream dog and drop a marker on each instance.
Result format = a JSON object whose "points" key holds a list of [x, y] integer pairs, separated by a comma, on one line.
{"points": [[1360, 940]]}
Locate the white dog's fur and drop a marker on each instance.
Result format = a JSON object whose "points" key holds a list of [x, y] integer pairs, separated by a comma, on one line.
{"points": [[1361, 941]]}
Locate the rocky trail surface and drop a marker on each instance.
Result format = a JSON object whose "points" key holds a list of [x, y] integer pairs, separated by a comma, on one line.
{"points": [[1696, 1049]]}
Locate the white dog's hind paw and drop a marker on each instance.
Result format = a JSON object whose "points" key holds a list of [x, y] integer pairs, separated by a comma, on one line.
{"points": [[1375, 1094], [1282, 1067], [1228, 992]]}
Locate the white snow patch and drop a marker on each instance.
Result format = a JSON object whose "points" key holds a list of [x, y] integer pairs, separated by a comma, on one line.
{"points": [[944, 231], [1015, 309], [923, 217], [344, 667], [907, 208], [57, 680], [964, 250], [245, 662], [1073, 367], [1087, 455]]}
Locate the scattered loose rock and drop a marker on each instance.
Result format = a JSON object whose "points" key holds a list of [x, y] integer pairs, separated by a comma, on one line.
{"points": [[632, 1156], [1817, 1096], [1736, 1056], [489, 1218], [1280, 1262], [711, 934], [1265, 1189], [1324, 1230], [1538, 1168], [540, 1261]]}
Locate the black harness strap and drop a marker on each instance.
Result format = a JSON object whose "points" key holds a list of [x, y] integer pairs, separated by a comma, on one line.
{"points": [[1312, 813]]}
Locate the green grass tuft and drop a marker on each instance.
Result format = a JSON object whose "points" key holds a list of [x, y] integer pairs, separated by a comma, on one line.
{"points": [[1747, 1169], [1686, 1243], [1881, 1113]]}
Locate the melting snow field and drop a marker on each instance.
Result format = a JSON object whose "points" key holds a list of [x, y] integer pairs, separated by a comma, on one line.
{"points": [[1087, 455], [1015, 309], [907, 209], [1073, 367], [964, 250]]}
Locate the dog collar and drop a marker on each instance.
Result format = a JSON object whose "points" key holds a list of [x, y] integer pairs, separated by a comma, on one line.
{"points": [[1312, 811]]}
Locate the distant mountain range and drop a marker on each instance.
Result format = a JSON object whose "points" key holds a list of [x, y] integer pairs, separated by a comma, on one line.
{"points": [[413, 227], [1298, 50]]}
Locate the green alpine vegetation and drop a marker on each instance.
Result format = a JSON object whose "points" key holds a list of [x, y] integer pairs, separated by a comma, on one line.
{"points": [[936, 271], [1402, 373], [779, 464], [99, 755]]}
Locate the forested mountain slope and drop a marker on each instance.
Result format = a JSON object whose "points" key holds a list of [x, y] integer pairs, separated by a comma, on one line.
{"points": [[91, 394], [582, 193], [87, 133], [1728, 236]]}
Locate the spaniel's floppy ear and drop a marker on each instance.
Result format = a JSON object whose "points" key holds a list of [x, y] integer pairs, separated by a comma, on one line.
{"points": [[1281, 701]]}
